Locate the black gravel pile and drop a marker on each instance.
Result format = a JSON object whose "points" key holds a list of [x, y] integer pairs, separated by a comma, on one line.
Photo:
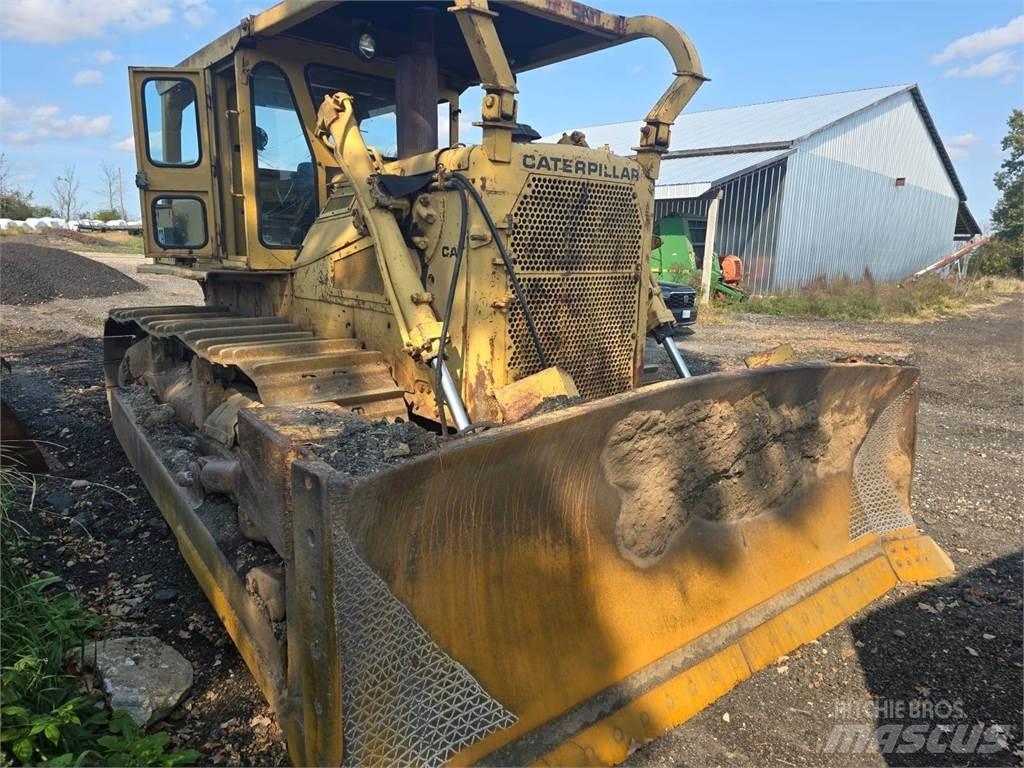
{"points": [[33, 274]]}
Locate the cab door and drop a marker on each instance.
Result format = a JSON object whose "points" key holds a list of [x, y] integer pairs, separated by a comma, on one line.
{"points": [[175, 155]]}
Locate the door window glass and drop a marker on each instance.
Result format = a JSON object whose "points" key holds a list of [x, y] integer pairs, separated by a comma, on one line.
{"points": [[171, 122], [179, 222], [285, 180]]}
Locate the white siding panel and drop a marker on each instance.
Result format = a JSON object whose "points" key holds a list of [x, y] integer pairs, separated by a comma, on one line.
{"points": [[842, 210]]}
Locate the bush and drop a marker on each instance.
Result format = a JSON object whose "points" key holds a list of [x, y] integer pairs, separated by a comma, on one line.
{"points": [[999, 258], [18, 205], [48, 718]]}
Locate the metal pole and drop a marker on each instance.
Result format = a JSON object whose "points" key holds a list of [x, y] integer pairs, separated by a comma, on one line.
{"points": [[709, 249], [416, 89], [676, 357], [451, 395]]}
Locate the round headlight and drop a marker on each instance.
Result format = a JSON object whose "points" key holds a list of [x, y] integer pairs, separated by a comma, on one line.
{"points": [[366, 45]]}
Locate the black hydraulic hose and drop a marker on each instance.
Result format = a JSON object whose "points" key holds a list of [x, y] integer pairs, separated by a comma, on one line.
{"points": [[450, 303], [528, 316]]}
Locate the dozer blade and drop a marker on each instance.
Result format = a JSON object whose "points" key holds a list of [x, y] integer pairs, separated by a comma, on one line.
{"points": [[565, 589]]}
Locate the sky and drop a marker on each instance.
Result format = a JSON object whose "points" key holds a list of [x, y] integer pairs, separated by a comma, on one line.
{"points": [[64, 79]]}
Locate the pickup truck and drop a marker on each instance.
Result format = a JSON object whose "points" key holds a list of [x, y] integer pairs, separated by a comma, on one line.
{"points": [[681, 301]]}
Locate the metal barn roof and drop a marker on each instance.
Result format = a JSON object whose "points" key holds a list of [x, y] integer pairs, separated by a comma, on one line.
{"points": [[710, 147], [750, 126]]}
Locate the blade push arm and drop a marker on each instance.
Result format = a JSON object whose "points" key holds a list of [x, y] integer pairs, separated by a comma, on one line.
{"points": [[419, 326]]}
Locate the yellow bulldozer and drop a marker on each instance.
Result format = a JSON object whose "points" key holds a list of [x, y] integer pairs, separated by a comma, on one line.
{"points": [[404, 445]]}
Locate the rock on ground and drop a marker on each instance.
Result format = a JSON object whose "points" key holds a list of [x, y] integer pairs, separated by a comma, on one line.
{"points": [[141, 675]]}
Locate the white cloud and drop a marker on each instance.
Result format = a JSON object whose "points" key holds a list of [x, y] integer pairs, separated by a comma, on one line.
{"points": [[105, 56], [41, 114], [87, 77], [984, 42], [999, 63], [41, 123], [125, 145], [7, 109], [197, 13], [960, 146], [58, 21]]}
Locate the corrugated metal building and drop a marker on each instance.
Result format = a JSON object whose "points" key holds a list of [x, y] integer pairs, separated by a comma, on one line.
{"points": [[824, 185]]}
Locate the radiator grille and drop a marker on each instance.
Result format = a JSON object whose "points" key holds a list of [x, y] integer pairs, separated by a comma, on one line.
{"points": [[576, 246], [575, 225], [586, 326]]}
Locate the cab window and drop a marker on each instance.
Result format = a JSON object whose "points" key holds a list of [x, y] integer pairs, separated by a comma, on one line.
{"points": [[285, 177], [374, 99], [171, 122], [179, 222]]}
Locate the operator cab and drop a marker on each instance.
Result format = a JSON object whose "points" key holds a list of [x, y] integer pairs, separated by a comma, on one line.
{"points": [[230, 173]]}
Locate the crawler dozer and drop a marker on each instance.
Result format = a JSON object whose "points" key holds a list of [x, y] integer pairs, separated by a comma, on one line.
{"points": [[403, 443]]}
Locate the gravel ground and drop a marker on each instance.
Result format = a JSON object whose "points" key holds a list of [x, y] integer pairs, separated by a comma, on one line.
{"points": [[33, 274], [955, 644]]}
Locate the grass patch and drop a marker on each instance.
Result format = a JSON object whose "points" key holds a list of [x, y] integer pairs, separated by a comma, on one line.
{"points": [[88, 242], [48, 716], [116, 242], [997, 284], [845, 299]]}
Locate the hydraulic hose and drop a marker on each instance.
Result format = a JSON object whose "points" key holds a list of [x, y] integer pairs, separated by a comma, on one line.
{"points": [[467, 185], [450, 303]]}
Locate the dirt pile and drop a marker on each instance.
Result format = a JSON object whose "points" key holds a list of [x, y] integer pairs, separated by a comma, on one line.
{"points": [[33, 274]]}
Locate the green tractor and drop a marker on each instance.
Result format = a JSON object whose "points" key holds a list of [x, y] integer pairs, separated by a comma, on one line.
{"points": [[674, 258]]}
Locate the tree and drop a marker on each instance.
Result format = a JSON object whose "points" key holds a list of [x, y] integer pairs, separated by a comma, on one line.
{"points": [[1004, 253], [1008, 215], [110, 186], [5, 175], [108, 214], [15, 203], [65, 192]]}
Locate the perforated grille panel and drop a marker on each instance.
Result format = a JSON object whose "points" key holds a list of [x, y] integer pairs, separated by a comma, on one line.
{"points": [[576, 247], [878, 504], [586, 325], [575, 225]]}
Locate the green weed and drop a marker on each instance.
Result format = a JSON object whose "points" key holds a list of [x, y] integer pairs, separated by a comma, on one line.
{"points": [[46, 716]]}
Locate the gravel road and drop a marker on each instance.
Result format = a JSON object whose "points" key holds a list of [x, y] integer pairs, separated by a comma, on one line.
{"points": [[955, 643]]}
